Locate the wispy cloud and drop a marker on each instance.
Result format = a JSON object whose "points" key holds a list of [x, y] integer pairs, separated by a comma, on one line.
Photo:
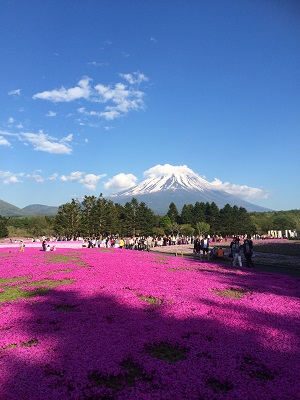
{"points": [[134, 78], [82, 90], [87, 180], [41, 179], [123, 99], [48, 144], [98, 64], [115, 100], [10, 177], [121, 182], [51, 114], [16, 92]]}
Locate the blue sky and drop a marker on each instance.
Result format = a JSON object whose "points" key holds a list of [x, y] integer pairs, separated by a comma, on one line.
{"points": [[97, 95]]}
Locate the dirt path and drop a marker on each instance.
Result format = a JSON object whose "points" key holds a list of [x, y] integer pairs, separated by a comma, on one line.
{"points": [[278, 263]]}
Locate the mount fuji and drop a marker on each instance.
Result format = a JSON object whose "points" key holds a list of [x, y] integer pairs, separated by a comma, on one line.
{"points": [[179, 188]]}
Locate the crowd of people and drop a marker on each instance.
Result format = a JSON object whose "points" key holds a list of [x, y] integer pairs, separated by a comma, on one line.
{"points": [[202, 245], [136, 242]]}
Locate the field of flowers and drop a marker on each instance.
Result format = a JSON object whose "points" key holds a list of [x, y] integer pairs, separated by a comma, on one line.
{"points": [[120, 324]]}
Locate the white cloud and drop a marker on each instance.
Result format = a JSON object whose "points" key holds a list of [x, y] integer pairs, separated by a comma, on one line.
{"points": [[134, 78], [9, 177], [242, 191], [161, 170], [46, 143], [40, 179], [16, 92], [121, 182], [10, 120], [123, 100], [4, 142], [51, 114], [118, 99], [82, 90], [87, 180]]}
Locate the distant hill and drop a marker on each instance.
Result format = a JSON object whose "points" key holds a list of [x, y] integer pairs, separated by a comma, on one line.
{"points": [[9, 210], [40, 209]]}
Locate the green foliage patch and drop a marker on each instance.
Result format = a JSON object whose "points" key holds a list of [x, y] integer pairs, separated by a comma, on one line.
{"points": [[232, 293], [131, 373], [150, 300], [218, 386], [166, 351], [26, 289]]}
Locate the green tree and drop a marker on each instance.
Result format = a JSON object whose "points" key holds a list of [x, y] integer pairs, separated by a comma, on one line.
{"points": [[187, 214], [157, 231], [212, 216], [187, 230], [283, 222], [68, 218], [145, 219], [88, 211], [226, 220], [165, 222], [199, 212], [3, 227], [173, 213], [202, 228]]}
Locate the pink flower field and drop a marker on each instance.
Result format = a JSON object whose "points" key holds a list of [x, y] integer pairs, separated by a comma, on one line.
{"points": [[83, 323]]}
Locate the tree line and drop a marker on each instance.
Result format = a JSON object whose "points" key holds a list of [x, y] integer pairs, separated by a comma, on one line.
{"points": [[99, 217]]}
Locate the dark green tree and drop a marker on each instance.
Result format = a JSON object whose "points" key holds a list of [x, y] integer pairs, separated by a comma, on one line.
{"points": [[212, 216], [88, 211], [145, 220], [3, 227], [199, 212], [68, 219], [226, 220], [173, 213], [187, 214]]}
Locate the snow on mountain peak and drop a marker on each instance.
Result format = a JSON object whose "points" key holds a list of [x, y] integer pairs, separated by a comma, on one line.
{"points": [[170, 181]]}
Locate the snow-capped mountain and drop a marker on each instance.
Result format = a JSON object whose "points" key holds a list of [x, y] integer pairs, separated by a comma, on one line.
{"points": [[180, 189], [167, 182]]}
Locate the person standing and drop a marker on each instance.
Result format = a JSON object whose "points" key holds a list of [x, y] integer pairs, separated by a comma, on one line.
{"points": [[205, 247], [248, 251], [22, 246], [197, 248], [235, 249]]}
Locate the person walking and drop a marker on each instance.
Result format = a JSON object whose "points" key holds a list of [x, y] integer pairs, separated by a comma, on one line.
{"points": [[248, 251], [235, 249]]}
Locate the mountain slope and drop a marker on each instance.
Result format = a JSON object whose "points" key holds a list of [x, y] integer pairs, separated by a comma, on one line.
{"points": [[180, 189], [9, 210], [40, 209]]}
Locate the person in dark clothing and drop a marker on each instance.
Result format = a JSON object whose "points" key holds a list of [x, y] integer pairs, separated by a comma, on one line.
{"points": [[248, 251], [197, 247]]}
